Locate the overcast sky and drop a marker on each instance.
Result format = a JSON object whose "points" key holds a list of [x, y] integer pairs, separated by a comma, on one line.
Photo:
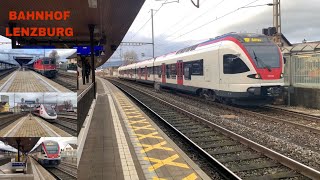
{"points": [[300, 20], [6, 49], [48, 97]]}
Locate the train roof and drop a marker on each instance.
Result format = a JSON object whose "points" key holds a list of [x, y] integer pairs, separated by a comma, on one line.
{"points": [[239, 36]]}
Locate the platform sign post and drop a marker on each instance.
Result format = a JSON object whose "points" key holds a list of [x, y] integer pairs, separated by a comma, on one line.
{"points": [[91, 29]]}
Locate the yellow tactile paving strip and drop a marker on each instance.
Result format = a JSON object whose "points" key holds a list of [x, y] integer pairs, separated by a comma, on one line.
{"points": [[31, 128], [164, 162], [26, 81]]}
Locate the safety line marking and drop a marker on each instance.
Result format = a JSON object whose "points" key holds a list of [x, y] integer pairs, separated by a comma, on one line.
{"points": [[143, 121], [147, 147], [168, 161], [146, 127], [192, 176], [150, 135]]}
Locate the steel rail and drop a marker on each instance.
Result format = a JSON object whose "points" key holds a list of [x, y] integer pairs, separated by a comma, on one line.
{"points": [[292, 164]]}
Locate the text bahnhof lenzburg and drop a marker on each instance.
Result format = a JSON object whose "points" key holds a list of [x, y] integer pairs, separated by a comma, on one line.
{"points": [[58, 16]]}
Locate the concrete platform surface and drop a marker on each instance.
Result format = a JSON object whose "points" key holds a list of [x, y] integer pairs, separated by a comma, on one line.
{"points": [[32, 126], [29, 81], [128, 145]]}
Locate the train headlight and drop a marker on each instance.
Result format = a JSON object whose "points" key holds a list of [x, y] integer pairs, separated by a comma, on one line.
{"points": [[254, 76], [281, 75]]}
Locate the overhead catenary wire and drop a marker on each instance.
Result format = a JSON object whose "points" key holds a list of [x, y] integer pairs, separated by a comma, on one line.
{"points": [[190, 22], [148, 20], [211, 21]]}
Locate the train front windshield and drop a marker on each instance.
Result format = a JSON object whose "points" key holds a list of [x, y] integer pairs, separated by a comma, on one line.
{"points": [[52, 148], [265, 56], [49, 109]]}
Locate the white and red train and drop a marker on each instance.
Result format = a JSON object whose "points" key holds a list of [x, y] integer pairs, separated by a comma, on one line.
{"points": [[45, 111], [47, 153], [238, 68]]}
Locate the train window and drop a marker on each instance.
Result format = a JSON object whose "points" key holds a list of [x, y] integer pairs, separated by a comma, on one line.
{"points": [[173, 71], [150, 71], [187, 71], [168, 70], [232, 64], [53, 62], [45, 62], [197, 67]]}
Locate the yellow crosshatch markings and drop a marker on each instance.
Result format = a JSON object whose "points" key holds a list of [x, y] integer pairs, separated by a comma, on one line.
{"points": [[148, 147], [150, 135], [137, 121], [168, 161], [143, 121], [146, 127], [192, 176]]}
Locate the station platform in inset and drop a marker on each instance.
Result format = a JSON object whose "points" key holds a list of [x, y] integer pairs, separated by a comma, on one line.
{"points": [[29, 81], [123, 143], [32, 126]]}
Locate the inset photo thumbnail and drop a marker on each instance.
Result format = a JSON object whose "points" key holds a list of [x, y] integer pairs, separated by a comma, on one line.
{"points": [[38, 70], [38, 158], [38, 114]]}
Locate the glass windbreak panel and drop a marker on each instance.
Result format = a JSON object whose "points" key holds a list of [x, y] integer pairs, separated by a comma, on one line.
{"points": [[264, 56]]}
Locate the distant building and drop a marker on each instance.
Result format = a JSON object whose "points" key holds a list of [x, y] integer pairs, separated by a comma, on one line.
{"points": [[4, 107], [70, 150]]}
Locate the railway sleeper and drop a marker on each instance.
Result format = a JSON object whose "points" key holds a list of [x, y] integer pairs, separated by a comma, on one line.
{"points": [[280, 175]]}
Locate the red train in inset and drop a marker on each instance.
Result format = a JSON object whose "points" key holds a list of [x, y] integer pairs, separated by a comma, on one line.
{"points": [[45, 66], [47, 153]]}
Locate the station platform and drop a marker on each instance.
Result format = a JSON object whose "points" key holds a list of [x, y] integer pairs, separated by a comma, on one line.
{"points": [[123, 143], [32, 126], [29, 81]]}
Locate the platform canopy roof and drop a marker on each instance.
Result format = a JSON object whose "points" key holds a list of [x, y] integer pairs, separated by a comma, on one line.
{"points": [[112, 19], [26, 143]]}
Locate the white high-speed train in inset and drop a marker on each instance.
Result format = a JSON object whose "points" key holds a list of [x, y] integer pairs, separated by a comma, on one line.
{"points": [[45, 111], [238, 68]]}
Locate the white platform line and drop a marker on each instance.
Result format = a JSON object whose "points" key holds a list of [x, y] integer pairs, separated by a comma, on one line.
{"points": [[7, 84], [46, 83], [15, 128], [128, 167]]}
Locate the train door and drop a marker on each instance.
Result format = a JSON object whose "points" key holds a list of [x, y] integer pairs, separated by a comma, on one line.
{"points": [[163, 73], [146, 73], [179, 72]]}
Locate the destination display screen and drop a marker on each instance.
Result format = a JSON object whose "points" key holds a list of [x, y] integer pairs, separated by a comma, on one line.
{"points": [[255, 39], [85, 50]]}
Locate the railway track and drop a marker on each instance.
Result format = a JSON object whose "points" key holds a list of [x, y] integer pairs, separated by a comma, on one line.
{"points": [[233, 155], [300, 120], [66, 80], [62, 172], [69, 127]]}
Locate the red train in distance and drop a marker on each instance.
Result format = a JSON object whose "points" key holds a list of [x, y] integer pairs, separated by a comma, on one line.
{"points": [[45, 66]]}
